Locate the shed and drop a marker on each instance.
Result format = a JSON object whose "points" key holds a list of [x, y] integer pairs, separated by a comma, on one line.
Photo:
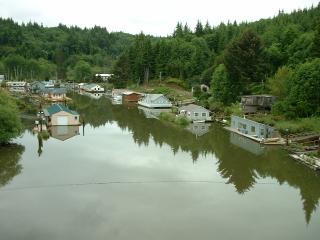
{"points": [[60, 115], [257, 103], [195, 113], [131, 96]]}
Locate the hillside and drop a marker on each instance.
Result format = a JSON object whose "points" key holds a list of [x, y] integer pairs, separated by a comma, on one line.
{"points": [[32, 51]]}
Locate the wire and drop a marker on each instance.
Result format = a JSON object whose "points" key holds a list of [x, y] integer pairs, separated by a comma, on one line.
{"points": [[119, 182]]}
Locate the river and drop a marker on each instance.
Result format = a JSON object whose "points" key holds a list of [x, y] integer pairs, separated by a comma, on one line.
{"points": [[127, 175]]}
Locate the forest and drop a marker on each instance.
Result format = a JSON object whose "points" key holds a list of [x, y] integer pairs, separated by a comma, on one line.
{"points": [[34, 52], [279, 56]]}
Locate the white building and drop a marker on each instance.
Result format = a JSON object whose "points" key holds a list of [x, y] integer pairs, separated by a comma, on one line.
{"points": [[104, 76], [92, 88], [195, 113]]}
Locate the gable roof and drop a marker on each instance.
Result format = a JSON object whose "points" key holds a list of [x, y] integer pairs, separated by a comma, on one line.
{"points": [[91, 85], [129, 93], [194, 108], [55, 108], [153, 97]]}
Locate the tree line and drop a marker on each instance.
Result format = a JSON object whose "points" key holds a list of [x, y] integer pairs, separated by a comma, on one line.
{"points": [[279, 55], [33, 52]]}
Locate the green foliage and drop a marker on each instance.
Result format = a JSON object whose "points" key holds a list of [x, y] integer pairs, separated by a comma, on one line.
{"points": [[81, 72], [223, 89], [196, 91], [178, 120], [244, 61], [316, 42], [234, 109], [176, 82], [22, 47], [278, 83], [303, 99], [10, 122], [162, 90]]}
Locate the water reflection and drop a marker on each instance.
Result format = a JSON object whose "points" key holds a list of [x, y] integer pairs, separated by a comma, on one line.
{"points": [[246, 144], [152, 112], [198, 129], [63, 133], [9, 162], [240, 162]]}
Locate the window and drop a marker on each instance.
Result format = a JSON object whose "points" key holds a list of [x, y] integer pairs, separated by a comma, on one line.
{"points": [[204, 114], [253, 129], [196, 114], [75, 118], [262, 131]]}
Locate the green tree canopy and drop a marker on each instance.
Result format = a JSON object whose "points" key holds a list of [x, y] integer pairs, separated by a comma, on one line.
{"points": [[222, 87], [10, 122], [244, 61]]}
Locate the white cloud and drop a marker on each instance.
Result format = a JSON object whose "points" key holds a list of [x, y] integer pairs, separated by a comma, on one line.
{"points": [[151, 17]]}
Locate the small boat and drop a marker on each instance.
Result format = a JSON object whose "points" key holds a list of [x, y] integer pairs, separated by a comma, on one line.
{"points": [[199, 121]]}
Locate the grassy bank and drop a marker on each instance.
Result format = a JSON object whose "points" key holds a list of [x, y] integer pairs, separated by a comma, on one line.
{"points": [[300, 125]]}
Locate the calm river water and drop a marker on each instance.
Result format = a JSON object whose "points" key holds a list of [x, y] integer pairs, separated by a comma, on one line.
{"points": [[126, 175]]}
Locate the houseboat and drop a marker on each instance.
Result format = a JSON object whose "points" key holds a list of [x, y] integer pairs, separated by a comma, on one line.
{"points": [[155, 101], [256, 131], [60, 115], [195, 113]]}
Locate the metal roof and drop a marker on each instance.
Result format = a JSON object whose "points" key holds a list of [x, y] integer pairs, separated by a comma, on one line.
{"points": [[153, 97], [193, 108], [58, 108], [54, 90]]}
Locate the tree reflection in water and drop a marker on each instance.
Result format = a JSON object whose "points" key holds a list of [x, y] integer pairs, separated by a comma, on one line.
{"points": [[10, 156], [239, 165]]}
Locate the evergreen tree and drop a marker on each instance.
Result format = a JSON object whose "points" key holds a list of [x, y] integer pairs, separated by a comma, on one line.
{"points": [[244, 61], [199, 29]]}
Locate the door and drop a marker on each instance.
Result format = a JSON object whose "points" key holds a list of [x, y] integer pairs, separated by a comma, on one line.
{"points": [[62, 121]]}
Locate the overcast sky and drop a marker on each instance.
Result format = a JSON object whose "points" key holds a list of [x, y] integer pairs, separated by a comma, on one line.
{"points": [[150, 16]]}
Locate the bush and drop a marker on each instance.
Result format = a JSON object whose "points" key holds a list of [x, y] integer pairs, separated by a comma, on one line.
{"points": [[179, 120], [234, 109], [177, 82], [182, 121], [162, 90]]}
